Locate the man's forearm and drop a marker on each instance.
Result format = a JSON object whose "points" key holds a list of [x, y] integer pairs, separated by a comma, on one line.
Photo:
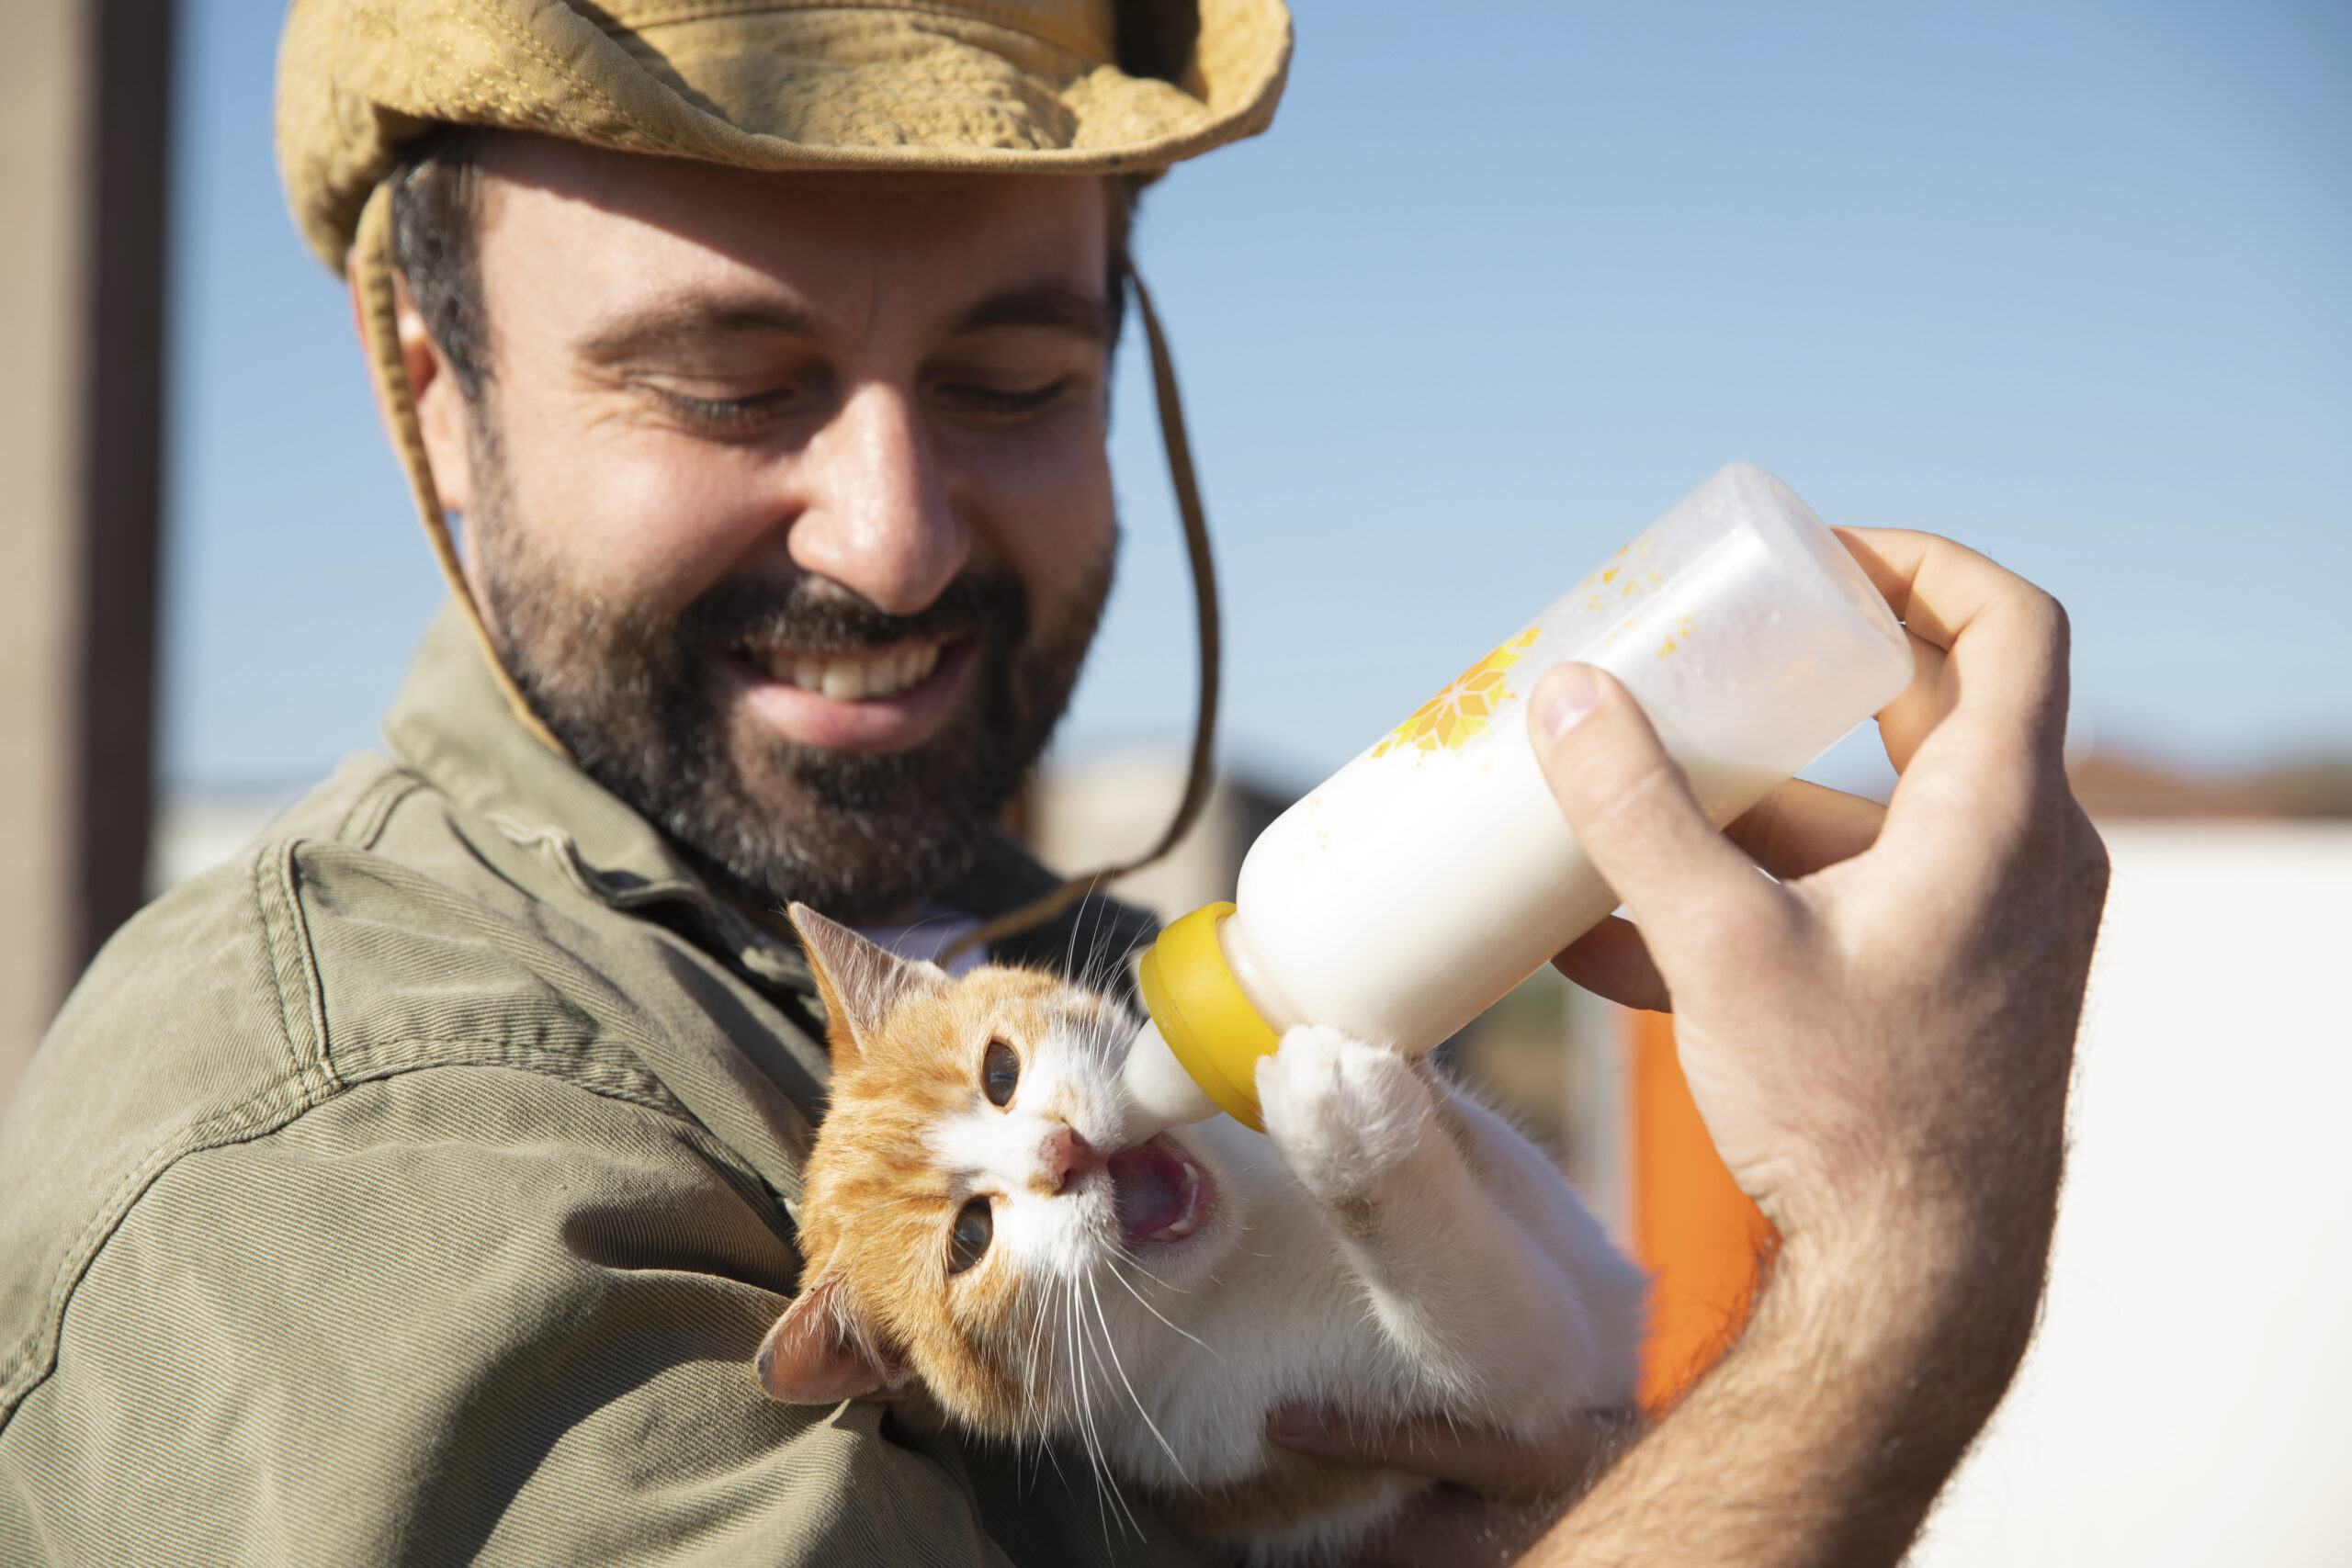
{"points": [[1823, 1435]]}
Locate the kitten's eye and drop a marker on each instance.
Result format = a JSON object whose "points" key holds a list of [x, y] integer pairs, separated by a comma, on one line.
{"points": [[1000, 1071], [974, 1228]]}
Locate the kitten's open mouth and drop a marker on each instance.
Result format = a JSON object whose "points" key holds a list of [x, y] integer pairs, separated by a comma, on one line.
{"points": [[1160, 1194]]}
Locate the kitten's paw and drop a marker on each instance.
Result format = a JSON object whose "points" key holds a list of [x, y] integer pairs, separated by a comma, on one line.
{"points": [[1343, 1113]]}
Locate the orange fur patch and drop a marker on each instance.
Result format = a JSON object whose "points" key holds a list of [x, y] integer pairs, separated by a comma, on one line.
{"points": [[878, 1210]]}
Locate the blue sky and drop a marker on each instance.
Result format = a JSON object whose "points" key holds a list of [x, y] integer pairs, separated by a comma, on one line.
{"points": [[2070, 282]]}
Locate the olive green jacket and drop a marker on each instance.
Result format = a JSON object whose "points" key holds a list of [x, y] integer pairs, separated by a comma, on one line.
{"points": [[417, 1187]]}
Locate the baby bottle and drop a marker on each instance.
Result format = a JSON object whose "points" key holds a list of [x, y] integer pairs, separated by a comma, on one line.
{"points": [[1415, 886]]}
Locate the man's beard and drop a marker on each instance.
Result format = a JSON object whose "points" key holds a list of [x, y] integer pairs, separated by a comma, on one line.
{"points": [[858, 835]]}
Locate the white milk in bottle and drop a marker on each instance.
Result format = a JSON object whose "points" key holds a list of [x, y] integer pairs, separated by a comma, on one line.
{"points": [[1415, 886]]}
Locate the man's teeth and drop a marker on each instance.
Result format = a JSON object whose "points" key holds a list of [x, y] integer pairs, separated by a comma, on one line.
{"points": [[852, 677]]}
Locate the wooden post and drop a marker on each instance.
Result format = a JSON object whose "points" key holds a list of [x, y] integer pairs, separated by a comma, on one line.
{"points": [[1700, 1237], [84, 90]]}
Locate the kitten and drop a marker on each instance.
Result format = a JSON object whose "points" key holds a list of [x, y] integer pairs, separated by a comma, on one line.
{"points": [[976, 1228]]}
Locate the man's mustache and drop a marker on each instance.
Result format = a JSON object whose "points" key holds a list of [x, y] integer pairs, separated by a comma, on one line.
{"points": [[815, 613]]}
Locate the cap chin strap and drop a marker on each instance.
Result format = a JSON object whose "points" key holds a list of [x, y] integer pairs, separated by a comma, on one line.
{"points": [[372, 275], [1201, 773], [372, 280]]}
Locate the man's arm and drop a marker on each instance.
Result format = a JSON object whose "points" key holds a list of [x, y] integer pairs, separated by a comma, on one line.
{"points": [[1880, 1043]]}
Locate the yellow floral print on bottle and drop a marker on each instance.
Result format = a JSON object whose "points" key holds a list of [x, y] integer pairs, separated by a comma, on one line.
{"points": [[1468, 706]]}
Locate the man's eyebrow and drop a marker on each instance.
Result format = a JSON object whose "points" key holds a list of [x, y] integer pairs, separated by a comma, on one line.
{"points": [[1042, 305], [678, 325]]}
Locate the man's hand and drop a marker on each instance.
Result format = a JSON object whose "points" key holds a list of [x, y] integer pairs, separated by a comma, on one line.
{"points": [[1880, 1043], [1501, 1492]]}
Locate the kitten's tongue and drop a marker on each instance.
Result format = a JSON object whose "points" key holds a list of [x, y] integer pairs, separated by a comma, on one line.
{"points": [[1160, 1194]]}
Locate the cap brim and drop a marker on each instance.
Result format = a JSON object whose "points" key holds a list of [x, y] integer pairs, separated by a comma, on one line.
{"points": [[865, 87]]}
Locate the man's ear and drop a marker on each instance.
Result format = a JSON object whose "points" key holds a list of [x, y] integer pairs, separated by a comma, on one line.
{"points": [[817, 1353], [441, 413], [860, 982]]}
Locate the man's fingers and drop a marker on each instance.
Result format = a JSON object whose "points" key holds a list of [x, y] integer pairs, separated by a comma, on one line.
{"points": [[1802, 827], [1985, 784], [1493, 1465], [2005, 638], [1906, 721], [1611, 961], [1794, 831], [1631, 810]]}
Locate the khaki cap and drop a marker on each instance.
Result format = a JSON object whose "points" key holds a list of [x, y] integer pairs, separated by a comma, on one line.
{"points": [[928, 84], [973, 86]]}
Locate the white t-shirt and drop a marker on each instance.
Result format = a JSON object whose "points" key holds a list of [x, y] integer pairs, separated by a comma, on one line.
{"points": [[932, 931]]}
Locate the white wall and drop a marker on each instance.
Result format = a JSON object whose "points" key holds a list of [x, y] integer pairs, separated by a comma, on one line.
{"points": [[2190, 1397], [197, 830]]}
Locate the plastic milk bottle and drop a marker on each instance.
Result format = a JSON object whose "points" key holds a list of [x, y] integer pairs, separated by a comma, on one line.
{"points": [[1418, 884]]}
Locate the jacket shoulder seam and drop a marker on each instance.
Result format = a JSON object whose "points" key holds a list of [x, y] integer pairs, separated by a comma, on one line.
{"points": [[364, 822], [301, 995]]}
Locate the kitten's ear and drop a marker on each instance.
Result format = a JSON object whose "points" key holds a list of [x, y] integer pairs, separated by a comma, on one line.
{"points": [[859, 981], [816, 1354]]}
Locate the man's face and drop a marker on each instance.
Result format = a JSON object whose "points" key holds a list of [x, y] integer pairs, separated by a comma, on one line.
{"points": [[787, 501]]}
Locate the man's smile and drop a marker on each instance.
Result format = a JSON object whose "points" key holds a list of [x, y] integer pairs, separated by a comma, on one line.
{"points": [[847, 676], [864, 699]]}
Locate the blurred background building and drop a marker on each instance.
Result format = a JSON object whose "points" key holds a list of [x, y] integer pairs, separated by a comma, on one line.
{"points": [[2066, 281], [86, 93]]}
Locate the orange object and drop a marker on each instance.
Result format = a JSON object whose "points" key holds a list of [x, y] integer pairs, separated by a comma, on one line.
{"points": [[1700, 1237]]}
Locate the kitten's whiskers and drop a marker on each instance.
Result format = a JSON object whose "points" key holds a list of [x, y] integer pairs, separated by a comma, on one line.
{"points": [[1111, 1347], [1086, 1386], [1116, 1259]]}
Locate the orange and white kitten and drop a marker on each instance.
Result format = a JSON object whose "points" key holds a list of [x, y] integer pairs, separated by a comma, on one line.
{"points": [[975, 1223]]}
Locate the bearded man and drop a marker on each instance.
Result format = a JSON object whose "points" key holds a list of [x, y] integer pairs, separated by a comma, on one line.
{"points": [[417, 1187]]}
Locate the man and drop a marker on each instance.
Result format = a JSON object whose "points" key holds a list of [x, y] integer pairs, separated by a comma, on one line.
{"points": [[417, 1187]]}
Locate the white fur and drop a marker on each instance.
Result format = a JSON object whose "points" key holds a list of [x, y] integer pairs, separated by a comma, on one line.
{"points": [[1482, 1289]]}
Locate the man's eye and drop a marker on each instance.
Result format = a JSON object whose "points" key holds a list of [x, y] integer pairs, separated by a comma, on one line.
{"points": [[975, 399], [729, 414], [1000, 1073], [974, 1228]]}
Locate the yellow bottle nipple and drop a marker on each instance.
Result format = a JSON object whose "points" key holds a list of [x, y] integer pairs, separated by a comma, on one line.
{"points": [[1202, 1013]]}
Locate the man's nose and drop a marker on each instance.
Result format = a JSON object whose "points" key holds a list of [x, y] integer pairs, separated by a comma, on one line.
{"points": [[1064, 1157], [875, 514]]}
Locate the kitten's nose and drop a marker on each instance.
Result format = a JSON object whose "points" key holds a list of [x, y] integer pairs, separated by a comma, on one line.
{"points": [[1065, 1156]]}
